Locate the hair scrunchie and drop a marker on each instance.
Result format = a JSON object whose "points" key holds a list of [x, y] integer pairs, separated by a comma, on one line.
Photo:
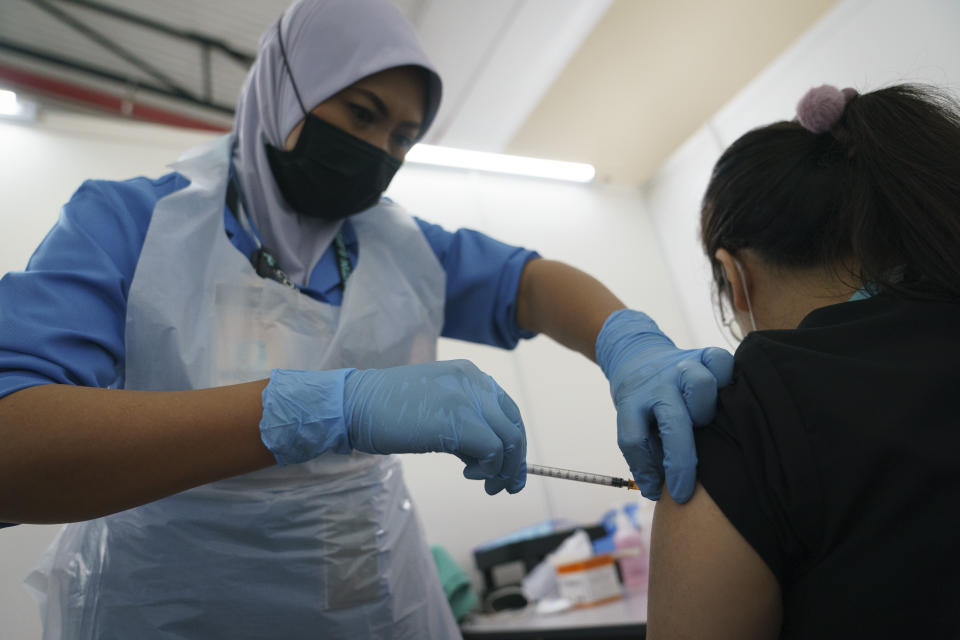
{"points": [[821, 107]]}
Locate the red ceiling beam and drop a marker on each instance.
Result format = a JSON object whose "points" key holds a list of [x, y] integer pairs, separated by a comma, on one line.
{"points": [[101, 100]]}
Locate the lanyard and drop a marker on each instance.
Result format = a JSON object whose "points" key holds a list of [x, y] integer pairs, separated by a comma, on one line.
{"points": [[343, 259], [263, 259]]}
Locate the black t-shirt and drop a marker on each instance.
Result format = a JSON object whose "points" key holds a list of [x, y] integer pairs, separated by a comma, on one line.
{"points": [[836, 454]]}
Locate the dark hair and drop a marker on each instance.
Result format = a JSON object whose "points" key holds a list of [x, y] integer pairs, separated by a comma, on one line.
{"points": [[878, 193]]}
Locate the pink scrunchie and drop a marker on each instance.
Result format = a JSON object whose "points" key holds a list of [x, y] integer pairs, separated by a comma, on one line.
{"points": [[821, 107]]}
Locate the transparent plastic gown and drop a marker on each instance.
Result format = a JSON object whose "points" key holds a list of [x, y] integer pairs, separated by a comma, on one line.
{"points": [[331, 548]]}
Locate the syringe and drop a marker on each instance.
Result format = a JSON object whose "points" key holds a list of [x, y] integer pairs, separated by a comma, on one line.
{"points": [[580, 476]]}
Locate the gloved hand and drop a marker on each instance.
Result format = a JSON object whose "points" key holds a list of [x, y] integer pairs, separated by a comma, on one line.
{"points": [[656, 386], [450, 407]]}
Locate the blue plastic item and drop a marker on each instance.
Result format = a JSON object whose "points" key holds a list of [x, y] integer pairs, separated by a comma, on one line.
{"points": [[449, 407], [660, 392]]}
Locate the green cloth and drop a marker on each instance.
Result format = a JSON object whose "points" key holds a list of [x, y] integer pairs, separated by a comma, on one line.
{"points": [[455, 582]]}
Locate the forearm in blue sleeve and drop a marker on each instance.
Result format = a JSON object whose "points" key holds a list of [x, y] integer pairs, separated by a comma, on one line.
{"points": [[483, 276], [62, 319]]}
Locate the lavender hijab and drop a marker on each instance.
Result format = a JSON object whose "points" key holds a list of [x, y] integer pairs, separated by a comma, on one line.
{"points": [[330, 44]]}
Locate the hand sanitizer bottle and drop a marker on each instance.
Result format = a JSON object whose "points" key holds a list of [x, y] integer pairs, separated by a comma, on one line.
{"points": [[633, 552]]}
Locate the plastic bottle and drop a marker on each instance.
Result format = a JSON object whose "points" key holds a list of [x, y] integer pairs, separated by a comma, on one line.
{"points": [[634, 554], [643, 518]]}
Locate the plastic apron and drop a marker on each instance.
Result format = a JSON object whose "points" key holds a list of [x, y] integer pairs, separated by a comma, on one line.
{"points": [[331, 548]]}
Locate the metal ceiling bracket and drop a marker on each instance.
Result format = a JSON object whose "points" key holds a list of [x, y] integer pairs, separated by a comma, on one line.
{"points": [[110, 45], [243, 58], [165, 85], [105, 74]]}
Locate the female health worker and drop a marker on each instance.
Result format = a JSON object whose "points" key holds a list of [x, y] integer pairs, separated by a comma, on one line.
{"points": [[204, 372]]}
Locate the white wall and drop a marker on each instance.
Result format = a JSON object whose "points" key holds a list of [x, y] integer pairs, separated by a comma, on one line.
{"points": [[563, 397], [42, 164], [865, 44], [486, 95]]}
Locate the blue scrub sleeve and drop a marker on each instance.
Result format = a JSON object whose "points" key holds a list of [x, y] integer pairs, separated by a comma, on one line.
{"points": [[483, 276], [62, 319]]}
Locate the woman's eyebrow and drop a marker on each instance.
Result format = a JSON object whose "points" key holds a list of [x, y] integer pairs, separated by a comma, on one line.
{"points": [[381, 107]]}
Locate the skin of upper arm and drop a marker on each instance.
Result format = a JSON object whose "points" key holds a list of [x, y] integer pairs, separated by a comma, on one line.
{"points": [[565, 303], [706, 581]]}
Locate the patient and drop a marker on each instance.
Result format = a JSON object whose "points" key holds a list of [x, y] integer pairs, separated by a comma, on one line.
{"points": [[828, 503]]}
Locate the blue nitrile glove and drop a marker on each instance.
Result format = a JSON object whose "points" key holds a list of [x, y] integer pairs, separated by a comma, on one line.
{"points": [[450, 407], [657, 386]]}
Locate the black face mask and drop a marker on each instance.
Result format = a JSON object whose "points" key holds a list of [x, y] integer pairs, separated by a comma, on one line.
{"points": [[329, 173]]}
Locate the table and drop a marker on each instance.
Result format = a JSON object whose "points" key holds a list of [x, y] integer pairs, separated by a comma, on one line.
{"points": [[624, 618]]}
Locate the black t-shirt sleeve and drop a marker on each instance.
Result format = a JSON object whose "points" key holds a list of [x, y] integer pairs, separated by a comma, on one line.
{"points": [[756, 460]]}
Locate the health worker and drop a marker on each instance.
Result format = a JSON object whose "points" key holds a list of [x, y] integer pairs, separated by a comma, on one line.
{"points": [[206, 373]]}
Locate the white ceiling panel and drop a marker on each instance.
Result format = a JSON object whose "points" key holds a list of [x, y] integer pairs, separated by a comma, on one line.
{"points": [[495, 82]]}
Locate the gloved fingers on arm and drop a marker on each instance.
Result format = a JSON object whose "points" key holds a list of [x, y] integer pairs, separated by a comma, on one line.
{"points": [[633, 437], [699, 390], [656, 473], [676, 437], [720, 363], [649, 477]]}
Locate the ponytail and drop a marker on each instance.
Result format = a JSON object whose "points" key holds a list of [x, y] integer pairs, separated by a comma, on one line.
{"points": [[903, 197], [879, 190]]}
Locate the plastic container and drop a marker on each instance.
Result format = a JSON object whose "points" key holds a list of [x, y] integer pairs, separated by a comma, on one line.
{"points": [[633, 553], [589, 582]]}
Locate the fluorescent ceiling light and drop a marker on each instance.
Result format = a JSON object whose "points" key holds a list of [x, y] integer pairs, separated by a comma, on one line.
{"points": [[14, 108], [8, 103], [500, 163]]}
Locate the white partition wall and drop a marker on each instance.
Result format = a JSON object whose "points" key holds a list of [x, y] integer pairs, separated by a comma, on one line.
{"points": [[866, 44], [563, 397]]}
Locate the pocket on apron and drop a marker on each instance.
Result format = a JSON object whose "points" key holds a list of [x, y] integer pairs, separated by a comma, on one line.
{"points": [[351, 549], [242, 350]]}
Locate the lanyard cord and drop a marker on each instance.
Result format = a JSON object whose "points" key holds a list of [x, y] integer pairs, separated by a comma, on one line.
{"points": [[343, 259]]}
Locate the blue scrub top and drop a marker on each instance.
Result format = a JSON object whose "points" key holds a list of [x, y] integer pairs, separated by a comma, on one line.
{"points": [[62, 319]]}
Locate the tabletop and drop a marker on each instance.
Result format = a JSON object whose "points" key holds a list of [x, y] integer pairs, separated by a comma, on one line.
{"points": [[623, 618]]}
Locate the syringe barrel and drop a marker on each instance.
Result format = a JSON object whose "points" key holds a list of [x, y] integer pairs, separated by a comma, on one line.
{"points": [[567, 474]]}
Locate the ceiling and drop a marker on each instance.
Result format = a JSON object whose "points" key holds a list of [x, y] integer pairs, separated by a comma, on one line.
{"points": [[651, 73], [619, 83]]}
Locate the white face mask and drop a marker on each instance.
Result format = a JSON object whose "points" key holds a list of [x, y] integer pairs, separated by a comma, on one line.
{"points": [[730, 320], [746, 293]]}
